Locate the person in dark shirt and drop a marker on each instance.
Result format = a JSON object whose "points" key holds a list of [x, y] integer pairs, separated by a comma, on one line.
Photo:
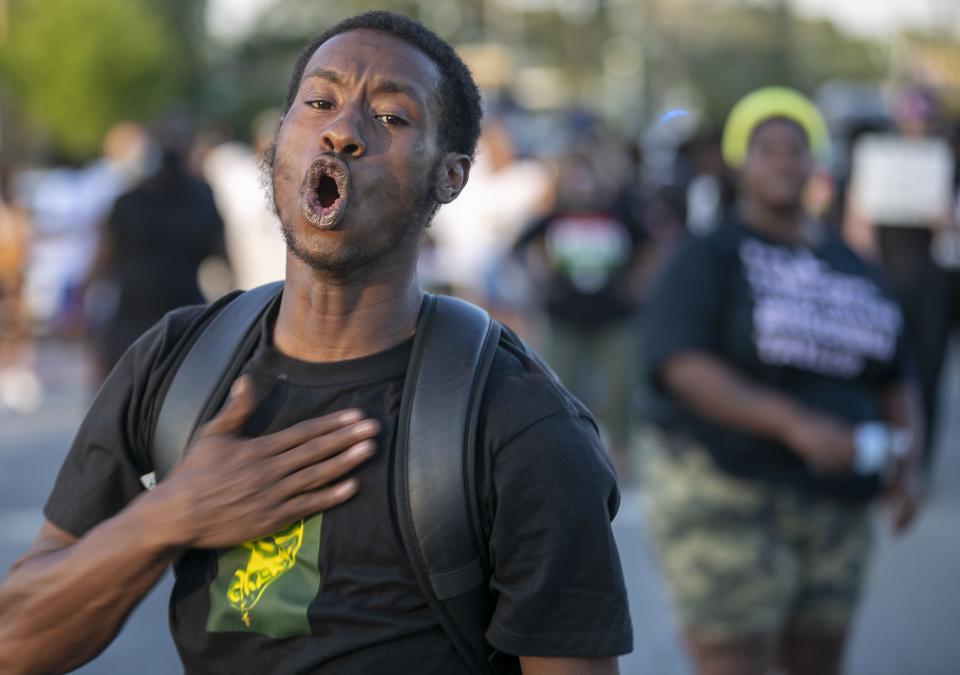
{"points": [[781, 357], [151, 249], [279, 521], [904, 247], [587, 253]]}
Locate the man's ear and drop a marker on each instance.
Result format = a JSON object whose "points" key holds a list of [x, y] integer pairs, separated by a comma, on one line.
{"points": [[451, 177]]}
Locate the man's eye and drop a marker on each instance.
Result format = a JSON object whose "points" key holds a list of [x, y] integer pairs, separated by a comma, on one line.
{"points": [[391, 119], [320, 104]]}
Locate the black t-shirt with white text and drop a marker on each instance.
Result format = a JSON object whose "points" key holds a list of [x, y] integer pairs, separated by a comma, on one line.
{"points": [[334, 593], [818, 324]]}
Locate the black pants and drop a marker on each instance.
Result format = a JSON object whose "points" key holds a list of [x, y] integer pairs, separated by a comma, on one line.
{"points": [[924, 291]]}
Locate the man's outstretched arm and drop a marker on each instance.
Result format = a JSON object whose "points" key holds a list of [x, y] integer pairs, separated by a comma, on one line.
{"points": [[66, 598]]}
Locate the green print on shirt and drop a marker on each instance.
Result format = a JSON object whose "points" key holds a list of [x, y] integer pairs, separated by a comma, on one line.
{"points": [[266, 585]]}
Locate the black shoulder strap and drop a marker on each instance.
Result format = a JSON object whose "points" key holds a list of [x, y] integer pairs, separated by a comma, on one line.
{"points": [[202, 371], [435, 487]]}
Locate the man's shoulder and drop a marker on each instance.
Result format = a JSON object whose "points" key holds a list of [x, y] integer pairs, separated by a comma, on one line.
{"points": [[172, 334], [140, 379], [522, 392], [537, 434], [147, 367]]}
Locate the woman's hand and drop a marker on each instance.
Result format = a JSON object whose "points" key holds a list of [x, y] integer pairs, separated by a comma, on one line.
{"points": [[905, 494]]}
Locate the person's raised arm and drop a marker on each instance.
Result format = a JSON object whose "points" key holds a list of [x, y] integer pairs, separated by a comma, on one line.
{"points": [[66, 599]]}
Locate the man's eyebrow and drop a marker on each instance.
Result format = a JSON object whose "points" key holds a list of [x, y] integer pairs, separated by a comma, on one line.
{"points": [[394, 87], [324, 74]]}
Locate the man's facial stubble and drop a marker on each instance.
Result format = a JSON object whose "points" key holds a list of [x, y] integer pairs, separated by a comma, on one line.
{"points": [[401, 227]]}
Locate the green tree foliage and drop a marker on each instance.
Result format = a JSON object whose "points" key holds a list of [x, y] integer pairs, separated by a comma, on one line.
{"points": [[725, 51], [74, 67]]}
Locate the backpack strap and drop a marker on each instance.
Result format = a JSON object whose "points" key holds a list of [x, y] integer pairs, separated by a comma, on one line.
{"points": [[434, 470], [217, 353]]}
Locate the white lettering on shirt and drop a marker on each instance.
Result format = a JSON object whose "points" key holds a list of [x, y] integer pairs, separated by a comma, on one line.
{"points": [[811, 317]]}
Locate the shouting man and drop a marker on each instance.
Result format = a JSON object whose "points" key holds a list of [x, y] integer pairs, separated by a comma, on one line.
{"points": [[380, 128]]}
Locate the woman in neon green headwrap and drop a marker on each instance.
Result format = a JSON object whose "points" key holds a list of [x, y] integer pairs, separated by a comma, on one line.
{"points": [[789, 407]]}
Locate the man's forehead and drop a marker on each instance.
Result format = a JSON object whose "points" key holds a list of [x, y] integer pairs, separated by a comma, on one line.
{"points": [[376, 56]]}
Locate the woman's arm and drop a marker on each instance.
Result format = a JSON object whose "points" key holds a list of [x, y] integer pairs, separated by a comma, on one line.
{"points": [[712, 389]]}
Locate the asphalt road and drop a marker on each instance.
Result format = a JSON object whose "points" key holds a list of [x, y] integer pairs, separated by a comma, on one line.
{"points": [[909, 623]]}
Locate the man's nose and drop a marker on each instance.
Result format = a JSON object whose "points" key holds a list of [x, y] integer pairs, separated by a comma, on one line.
{"points": [[343, 137]]}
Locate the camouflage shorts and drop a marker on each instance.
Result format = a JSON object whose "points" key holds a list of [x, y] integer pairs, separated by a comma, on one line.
{"points": [[743, 558]]}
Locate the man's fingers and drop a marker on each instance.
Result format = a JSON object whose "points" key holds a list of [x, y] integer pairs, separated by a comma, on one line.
{"points": [[298, 434], [307, 504], [322, 473], [238, 406], [319, 450]]}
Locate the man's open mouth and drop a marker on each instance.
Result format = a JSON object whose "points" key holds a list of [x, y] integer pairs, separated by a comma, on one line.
{"points": [[325, 192]]}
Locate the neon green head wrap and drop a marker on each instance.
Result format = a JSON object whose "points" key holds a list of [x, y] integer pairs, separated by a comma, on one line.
{"points": [[764, 104]]}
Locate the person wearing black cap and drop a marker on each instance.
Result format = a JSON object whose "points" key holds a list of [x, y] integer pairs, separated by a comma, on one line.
{"points": [[790, 405]]}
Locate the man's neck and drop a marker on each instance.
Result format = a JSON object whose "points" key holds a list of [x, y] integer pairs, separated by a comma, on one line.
{"points": [[322, 319]]}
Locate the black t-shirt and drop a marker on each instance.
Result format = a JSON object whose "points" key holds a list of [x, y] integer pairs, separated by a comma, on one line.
{"points": [[591, 256], [161, 232], [816, 323], [334, 593]]}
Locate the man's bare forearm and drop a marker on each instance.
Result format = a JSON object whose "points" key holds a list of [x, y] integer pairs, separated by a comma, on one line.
{"points": [[60, 608]]}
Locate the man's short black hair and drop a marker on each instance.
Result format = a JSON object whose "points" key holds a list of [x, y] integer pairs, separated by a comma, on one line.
{"points": [[459, 98]]}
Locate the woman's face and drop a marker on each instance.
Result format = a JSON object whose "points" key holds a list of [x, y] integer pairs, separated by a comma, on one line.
{"points": [[777, 165]]}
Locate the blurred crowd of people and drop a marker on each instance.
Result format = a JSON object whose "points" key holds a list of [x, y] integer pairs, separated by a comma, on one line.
{"points": [[559, 232], [99, 251], [563, 232], [758, 315]]}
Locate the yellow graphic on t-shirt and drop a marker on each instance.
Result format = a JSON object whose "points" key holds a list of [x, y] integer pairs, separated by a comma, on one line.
{"points": [[270, 557]]}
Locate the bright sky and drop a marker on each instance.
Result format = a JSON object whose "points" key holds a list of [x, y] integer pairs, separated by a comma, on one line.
{"points": [[881, 17], [230, 19]]}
